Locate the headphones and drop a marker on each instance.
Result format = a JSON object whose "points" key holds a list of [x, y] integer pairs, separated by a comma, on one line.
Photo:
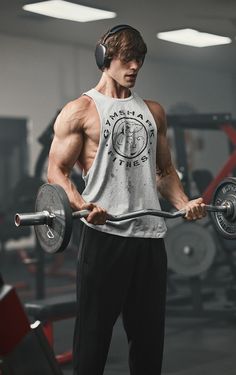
{"points": [[100, 52]]}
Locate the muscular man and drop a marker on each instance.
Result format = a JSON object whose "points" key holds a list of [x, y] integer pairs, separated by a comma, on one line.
{"points": [[119, 141]]}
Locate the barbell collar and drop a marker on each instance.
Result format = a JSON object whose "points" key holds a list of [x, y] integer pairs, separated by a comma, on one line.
{"points": [[36, 218]]}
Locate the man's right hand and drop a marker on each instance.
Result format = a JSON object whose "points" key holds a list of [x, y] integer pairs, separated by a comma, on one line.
{"points": [[97, 216]]}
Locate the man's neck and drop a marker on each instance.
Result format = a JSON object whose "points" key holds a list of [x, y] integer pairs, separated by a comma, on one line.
{"points": [[109, 87]]}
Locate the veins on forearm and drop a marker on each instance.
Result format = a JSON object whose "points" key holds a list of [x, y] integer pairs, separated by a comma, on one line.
{"points": [[170, 187]]}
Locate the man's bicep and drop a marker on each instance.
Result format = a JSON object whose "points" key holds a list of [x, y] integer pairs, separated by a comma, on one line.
{"points": [[64, 152]]}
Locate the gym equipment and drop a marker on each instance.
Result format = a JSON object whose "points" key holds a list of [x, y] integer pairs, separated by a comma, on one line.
{"points": [[102, 60], [53, 216], [222, 122], [12, 315], [22, 198], [50, 310], [225, 192], [24, 349], [33, 355], [190, 248]]}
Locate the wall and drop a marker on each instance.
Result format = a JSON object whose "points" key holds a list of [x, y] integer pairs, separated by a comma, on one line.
{"points": [[37, 78], [207, 90]]}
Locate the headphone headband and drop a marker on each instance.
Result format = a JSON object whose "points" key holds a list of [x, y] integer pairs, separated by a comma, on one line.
{"points": [[117, 29]]}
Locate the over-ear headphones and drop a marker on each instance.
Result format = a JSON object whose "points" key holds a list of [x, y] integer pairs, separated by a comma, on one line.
{"points": [[101, 49]]}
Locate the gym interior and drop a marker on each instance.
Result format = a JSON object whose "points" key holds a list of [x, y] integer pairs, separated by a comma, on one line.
{"points": [[45, 63]]}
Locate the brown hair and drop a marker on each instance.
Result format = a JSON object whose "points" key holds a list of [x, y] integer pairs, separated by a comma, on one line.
{"points": [[126, 44]]}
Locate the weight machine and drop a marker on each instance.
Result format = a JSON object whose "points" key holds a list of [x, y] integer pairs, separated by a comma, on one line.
{"points": [[206, 184]]}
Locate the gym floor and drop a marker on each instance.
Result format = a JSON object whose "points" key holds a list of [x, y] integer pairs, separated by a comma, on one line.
{"points": [[193, 345]]}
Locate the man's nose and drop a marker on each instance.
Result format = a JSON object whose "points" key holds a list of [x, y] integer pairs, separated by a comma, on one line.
{"points": [[135, 64]]}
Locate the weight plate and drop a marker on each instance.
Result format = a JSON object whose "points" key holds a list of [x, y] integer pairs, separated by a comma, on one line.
{"points": [[225, 191], [55, 237], [190, 249]]}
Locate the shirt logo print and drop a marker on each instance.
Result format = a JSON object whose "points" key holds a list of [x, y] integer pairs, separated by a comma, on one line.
{"points": [[129, 137]]}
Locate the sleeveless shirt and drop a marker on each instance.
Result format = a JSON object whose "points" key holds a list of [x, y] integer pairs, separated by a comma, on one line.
{"points": [[122, 177]]}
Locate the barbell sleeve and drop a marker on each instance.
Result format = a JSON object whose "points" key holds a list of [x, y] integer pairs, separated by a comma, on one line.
{"points": [[223, 208], [36, 218]]}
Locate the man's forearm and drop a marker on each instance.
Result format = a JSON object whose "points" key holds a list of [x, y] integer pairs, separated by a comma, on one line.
{"points": [[60, 177], [171, 188]]}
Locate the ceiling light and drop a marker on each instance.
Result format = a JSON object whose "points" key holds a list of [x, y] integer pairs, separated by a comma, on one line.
{"points": [[68, 11], [194, 38]]}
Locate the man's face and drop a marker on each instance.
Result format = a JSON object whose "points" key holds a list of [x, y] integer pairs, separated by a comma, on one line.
{"points": [[124, 72]]}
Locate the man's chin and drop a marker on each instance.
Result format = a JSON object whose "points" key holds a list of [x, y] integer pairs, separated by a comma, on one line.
{"points": [[130, 84]]}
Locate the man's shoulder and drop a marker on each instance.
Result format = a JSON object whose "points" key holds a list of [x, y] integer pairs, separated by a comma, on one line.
{"points": [[157, 111], [154, 106], [74, 114], [79, 104]]}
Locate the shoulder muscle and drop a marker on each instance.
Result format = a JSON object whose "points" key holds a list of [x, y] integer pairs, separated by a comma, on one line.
{"points": [[158, 113], [72, 117]]}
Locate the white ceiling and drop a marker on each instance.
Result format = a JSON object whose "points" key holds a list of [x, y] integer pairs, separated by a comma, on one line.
{"points": [[149, 16]]}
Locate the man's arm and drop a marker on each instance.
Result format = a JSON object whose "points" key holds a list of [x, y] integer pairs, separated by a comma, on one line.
{"points": [[65, 150], [168, 181]]}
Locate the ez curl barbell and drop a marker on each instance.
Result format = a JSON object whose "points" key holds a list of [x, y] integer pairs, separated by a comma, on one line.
{"points": [[53, 218]]}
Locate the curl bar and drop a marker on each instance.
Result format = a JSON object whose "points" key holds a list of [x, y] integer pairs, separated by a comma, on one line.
{"points": [[53, 217]]}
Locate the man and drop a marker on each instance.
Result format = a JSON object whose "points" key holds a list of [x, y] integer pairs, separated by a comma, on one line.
{"points": [[119, 141]]}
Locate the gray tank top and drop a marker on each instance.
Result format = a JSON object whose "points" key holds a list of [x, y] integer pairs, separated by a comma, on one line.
{"points": [[122, 177]]}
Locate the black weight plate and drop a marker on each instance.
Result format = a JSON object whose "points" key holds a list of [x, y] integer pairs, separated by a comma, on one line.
{"points": [[225, 191], [54, 238], [190, 249]]}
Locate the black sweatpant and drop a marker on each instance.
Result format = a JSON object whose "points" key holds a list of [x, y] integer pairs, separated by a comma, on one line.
{"points": [[120, 275]]}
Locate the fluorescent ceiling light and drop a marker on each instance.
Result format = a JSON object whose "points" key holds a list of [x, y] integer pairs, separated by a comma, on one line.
{"points": [[194, 38], [68, 11]]}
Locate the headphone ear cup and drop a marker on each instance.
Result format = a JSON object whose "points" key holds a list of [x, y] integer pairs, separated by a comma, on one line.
{"points": [[100, 55]]}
